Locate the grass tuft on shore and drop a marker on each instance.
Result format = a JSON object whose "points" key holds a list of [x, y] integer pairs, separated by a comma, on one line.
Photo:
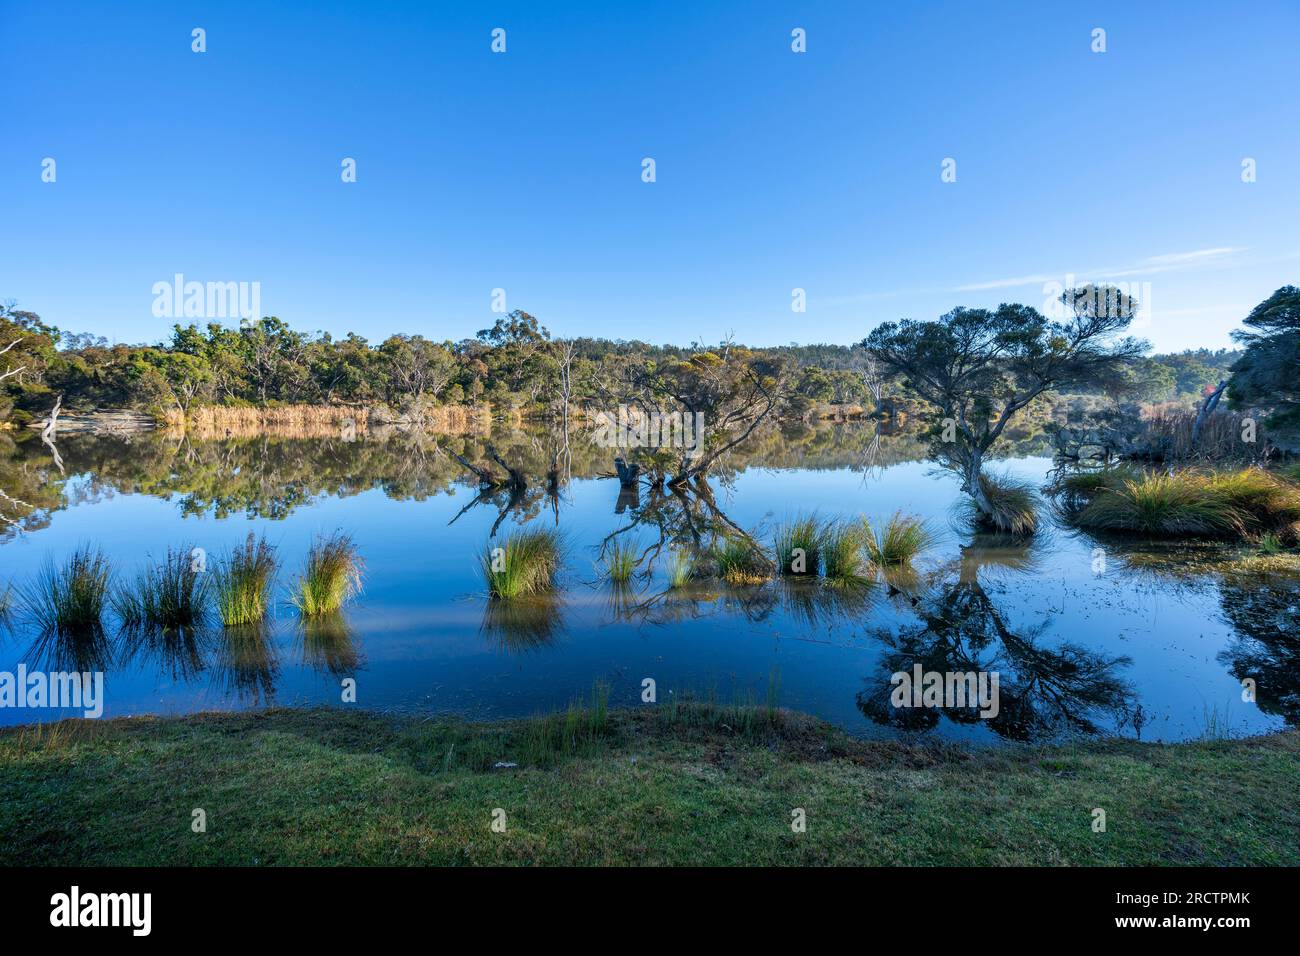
{"points": [[332, 577], [69, 600], [524, 564], [242, 583]]}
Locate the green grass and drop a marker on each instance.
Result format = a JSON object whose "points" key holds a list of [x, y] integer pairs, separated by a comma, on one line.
{"points": [[168, 595], [799, 545], [681, 568], [1238, 504], [842, 554], [69, 600], [1013, 504], [740, 563], [525, 564], [620, 561], [898, 542], [332, 578], [686, 784], [242, 583]]}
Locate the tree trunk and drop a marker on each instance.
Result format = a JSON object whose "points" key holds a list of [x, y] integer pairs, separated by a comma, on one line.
{"points": [[1207, 406]]}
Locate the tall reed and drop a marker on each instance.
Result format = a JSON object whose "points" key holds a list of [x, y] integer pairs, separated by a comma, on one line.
{"points": [[799, 546], [525, 564], [171, 594], [242, 582], [900, 540], [332, 577], [620, 561], [70, 600]]}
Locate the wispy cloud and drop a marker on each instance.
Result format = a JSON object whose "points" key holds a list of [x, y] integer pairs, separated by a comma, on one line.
{"points": [[1166, 262]]}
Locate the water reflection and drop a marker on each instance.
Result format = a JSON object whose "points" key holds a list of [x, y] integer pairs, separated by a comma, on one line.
{"points": [[246, 665], [327, 643], [1044, 691], [1264, 610], [522, 624]]}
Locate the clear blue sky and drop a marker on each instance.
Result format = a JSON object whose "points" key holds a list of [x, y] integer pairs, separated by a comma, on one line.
{"points": [[775, 170]]}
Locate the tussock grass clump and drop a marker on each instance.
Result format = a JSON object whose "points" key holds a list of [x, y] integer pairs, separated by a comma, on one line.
{"points": [[70, 600], [242, 583], [1232, 504], [169, 595], [620, 561], [525, 564], [681, 568], [842, 554], [901, 539], [1013, 506], [799, 546], [332, 578], [739, 562]]}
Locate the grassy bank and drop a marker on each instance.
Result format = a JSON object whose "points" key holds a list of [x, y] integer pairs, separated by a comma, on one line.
{"points": [[676, 784]]}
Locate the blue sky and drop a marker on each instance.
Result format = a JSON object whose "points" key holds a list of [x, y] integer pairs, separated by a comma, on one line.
{"points": [[522, 170]]}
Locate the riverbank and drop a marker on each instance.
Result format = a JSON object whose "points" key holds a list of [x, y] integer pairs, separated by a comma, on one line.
{"points": [[688, 784]]}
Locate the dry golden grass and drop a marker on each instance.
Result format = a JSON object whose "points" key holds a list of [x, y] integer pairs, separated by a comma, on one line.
{"points": [[319, 421]]}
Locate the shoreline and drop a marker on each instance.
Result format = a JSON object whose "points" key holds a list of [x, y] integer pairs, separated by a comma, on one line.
{"points": [[679, 784]]}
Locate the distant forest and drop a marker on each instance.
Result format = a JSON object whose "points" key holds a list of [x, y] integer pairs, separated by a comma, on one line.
{"points": [[515, 365]]}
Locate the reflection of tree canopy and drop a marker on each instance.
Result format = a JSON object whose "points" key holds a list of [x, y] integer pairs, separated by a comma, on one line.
{"points": [[1043, 691], [270, 476], [1264, 611]]}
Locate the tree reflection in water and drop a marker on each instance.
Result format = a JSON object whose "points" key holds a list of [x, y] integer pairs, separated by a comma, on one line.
{"points": [[1044, 691], [1264, 611]]}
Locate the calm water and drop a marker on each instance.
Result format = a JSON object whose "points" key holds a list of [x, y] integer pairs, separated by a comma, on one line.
{"points": [[1136, 648]]}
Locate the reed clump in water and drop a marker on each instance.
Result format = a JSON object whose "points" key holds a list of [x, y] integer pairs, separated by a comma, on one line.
{"points": [[620, 561], [799, 546], [897, 542], [331, 579], [842, 554], [681, 568], [169, 595], [70, 600], [739, 562], [525, 564], [1013, 506], [1244, 503], [242, 583]]}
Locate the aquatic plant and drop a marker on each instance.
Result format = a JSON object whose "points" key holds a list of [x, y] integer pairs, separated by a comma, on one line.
{"points": [[242, 582], [70, 600], [620, 561], [901, 539], [842, 553], [799, 546], [526, 563], [1012, 505], [681, 567], [579, 730], [739, 562], [1232, 504], [332, 578], [171, 594]]}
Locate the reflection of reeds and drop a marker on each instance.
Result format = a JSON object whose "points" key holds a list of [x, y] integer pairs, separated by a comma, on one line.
{"points": [[332, 577], [526, 564], [523, 624], [70, 600], [799, 546], [327, 644], [247, 662], [318, 421], [167, 595], [898, 542], [243, 582], [179, 651]]}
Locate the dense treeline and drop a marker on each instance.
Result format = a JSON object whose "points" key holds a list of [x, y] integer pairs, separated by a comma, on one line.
{"points": [[516, 363]]}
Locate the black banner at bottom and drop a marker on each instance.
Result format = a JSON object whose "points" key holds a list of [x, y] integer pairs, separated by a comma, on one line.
{"points": [[335, 905]]}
